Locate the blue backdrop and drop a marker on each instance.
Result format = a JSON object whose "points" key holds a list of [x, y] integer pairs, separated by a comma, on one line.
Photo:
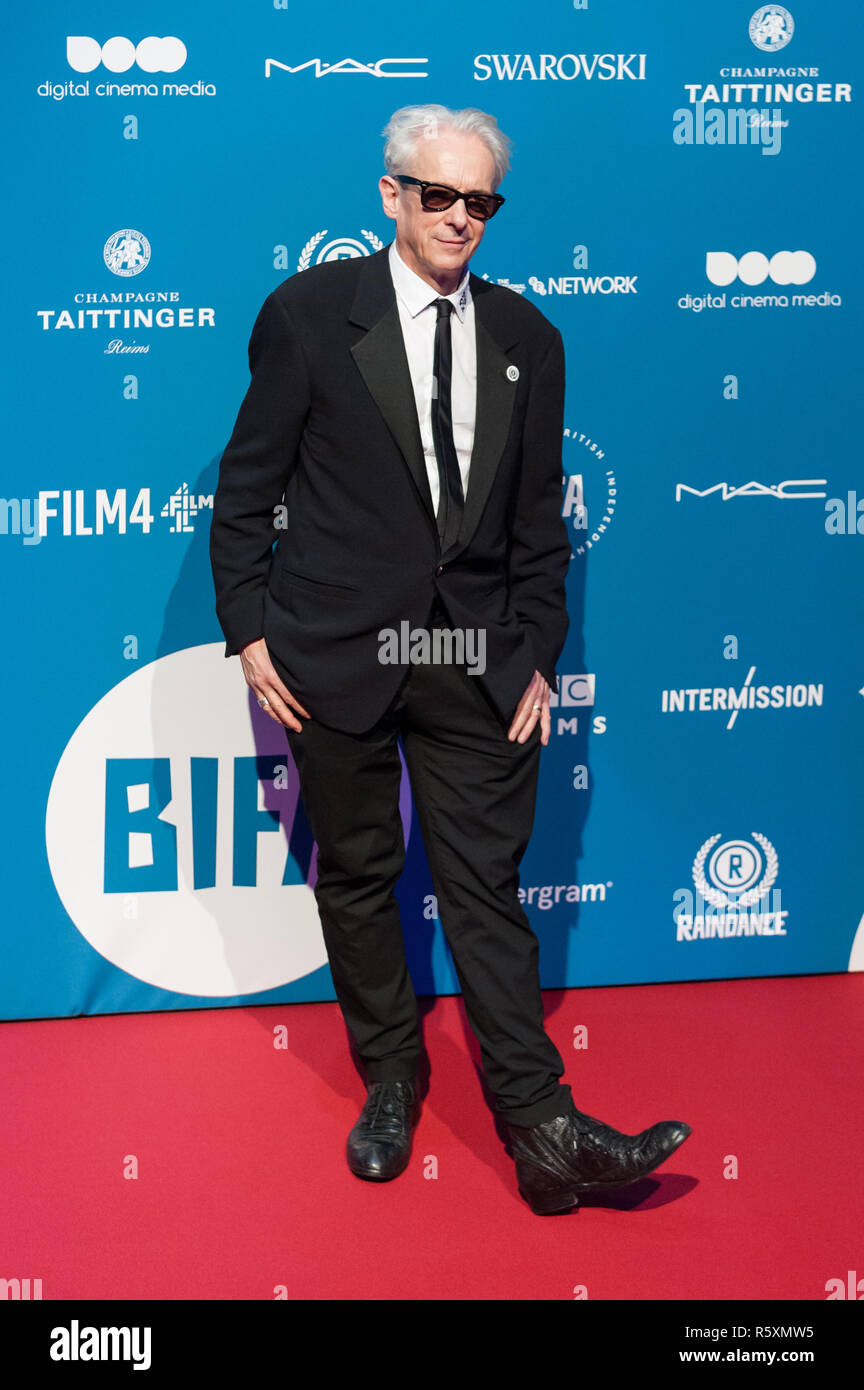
{"points": [[684, 204]]}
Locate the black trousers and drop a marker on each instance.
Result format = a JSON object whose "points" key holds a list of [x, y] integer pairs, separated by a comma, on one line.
{"points": [[474, 792]]}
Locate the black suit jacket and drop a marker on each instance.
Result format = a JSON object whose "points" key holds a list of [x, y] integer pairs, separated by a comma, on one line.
{"points": [[329, 422]]}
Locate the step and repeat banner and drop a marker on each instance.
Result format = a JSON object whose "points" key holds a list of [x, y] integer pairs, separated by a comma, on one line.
{"points": [[684, 204]]}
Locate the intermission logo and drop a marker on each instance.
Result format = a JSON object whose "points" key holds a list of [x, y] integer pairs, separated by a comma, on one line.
{"points": [[782, 274], [729, 700], [734, 892], [119, 55], [590, 496], [750, 105], [126, 253]]}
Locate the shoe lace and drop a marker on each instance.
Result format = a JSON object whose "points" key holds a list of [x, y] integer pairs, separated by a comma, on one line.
{"points": [[385, 1109]]}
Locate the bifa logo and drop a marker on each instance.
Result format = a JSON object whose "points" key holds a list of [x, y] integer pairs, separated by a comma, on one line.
{"points": [[152, 54], [176, 835], [784, 267]]}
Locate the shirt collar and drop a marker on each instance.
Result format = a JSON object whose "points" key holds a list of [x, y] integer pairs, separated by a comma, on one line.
{"points": [[417, 295]]}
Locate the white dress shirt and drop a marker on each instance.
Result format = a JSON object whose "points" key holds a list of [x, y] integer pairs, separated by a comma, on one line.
{"points": [[418, 315]]}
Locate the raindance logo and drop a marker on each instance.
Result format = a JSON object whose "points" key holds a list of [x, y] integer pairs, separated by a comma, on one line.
{"points": [[731, 878], [126, 252], [341, 248], [771, 28]]}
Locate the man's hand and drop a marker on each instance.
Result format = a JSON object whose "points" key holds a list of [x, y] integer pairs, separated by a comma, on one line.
{"points": [[260, 675], [533, 705]]}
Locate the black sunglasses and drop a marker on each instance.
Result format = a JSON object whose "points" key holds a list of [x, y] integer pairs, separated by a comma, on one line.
{"points": [[437, 197]]}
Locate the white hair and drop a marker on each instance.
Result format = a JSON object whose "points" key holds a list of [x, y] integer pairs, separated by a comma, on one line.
{"points": [[412, 123]]}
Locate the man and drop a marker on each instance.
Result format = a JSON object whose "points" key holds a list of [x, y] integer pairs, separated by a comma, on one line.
{"points": [[404, 420]]}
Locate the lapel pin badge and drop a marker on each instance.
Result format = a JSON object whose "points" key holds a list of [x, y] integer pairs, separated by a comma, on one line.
{"points": [[512, 373]]}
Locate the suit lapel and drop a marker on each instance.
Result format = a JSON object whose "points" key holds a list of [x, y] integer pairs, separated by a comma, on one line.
{"points": [[383, 362]]}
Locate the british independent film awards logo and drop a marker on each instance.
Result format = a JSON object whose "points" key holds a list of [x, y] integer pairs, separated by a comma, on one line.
{"points": [[748, 105]]}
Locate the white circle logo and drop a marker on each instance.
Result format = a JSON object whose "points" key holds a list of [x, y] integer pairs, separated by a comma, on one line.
{"points": [[741, 872], [771, 28], [784, 267], [735, 866], [119, 54], [127, 252], [174, 837]]}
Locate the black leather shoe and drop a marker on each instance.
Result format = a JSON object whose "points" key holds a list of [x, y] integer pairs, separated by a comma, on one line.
{"points": [[379, 1145], [562, 1158]]}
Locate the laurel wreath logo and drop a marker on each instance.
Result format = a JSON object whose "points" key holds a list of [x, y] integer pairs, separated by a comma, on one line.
{"points": [[306, 254], [714, 896]]}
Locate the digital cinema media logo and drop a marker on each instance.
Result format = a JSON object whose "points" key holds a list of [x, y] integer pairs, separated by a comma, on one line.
{"points": [[134, 62], [753, 280]]}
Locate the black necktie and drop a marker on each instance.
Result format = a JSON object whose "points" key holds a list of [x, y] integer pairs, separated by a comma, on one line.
{"points": [[451, 501]]}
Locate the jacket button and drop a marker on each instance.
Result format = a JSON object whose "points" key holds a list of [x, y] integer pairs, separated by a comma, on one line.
{"points": [[440, 569]]}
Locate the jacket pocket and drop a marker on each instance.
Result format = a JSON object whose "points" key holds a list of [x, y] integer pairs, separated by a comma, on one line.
{"points": [[319, 586]]}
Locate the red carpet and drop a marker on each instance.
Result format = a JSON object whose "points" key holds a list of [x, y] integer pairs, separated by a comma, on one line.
{"points": [[242, 1187]]}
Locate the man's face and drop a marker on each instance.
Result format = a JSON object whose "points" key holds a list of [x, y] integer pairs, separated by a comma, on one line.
{"points": [[438, 245]]}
